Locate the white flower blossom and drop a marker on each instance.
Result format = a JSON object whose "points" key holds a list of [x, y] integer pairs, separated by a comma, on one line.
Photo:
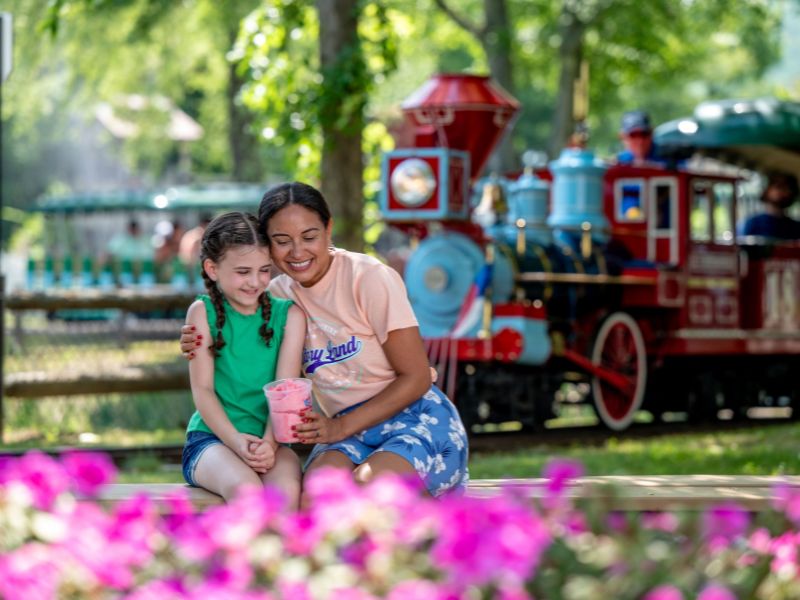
{"points": [[423, 431], [438, 464], [428, 419], [409, 439], [391, 427], [432, 396], [444, 487], [457, 426]]}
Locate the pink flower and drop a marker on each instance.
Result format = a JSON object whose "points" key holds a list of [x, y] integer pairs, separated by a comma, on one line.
{"points": [[89, 471], [784, 552], [419, 589], [161, 589], [350, 593], [235, 525], [330, 484], [724, 523], [301, 533], [358, 552], [787, 501], [660, 521], [760, 540], [296, 590], [664, 592], [617, 522], [716, 592], [488, 540], [42, 475], [559, 473], [233, 572], [178, 513], [31, 572]]}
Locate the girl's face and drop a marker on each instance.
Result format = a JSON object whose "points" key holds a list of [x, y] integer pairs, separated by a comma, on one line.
{"points": [[242, 275], [300, 244]]}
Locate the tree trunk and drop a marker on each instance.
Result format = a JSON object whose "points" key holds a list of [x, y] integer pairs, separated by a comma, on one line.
{"points": [[342, 171], [241, 140], [570, 54], [496, 42]]}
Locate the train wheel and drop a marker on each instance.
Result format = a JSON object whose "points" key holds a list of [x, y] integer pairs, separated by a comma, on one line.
{"points": [[619, 351]]}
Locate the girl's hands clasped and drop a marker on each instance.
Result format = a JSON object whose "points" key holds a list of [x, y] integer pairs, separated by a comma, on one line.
{"points": [[318, 429], [253, 451]]}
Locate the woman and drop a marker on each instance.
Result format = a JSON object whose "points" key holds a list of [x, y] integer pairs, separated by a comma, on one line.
{"points": [[380, 412]]}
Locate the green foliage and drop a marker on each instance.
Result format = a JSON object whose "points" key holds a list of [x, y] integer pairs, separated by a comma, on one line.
{"points": [[278, 54]]}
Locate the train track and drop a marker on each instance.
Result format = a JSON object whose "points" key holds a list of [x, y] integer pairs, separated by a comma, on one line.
{"points": [[480, 443]]}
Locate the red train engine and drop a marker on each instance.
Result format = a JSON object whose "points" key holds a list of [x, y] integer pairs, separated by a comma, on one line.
{"points": [[628, 282]]}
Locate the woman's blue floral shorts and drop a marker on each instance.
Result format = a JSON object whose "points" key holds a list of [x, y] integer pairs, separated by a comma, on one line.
{"points": [[428, 434]]}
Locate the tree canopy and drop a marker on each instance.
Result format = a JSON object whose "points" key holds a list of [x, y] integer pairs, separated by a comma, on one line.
{"points": [[255, 76]]}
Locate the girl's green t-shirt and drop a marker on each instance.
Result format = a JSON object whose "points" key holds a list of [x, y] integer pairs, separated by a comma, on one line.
{"points": [[245, 365]]}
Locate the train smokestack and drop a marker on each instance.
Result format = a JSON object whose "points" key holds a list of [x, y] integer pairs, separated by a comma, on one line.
{"points": [[462, 112]]}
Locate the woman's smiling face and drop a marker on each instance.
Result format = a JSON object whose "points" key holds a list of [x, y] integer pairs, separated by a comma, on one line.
{"points": [[300, 243]]}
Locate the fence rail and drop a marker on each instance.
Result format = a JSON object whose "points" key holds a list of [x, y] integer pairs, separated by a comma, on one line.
{"points": [[67, 343]]}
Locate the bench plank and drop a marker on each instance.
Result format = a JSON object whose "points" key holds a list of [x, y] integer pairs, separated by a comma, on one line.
{"points": [[614, 492]]}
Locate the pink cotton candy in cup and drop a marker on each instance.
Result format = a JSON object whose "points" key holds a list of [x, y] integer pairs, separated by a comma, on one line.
{"points": [[287, 397]]}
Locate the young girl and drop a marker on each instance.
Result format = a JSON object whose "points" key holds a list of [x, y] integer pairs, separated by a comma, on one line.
{"points": [[253, 339]]}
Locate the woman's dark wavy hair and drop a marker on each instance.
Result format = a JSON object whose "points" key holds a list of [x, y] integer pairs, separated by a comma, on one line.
{"points": [[223, 233], [286, 194]]}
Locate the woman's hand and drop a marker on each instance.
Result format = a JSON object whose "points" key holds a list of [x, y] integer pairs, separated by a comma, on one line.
{"points": [[190, 341], [319, 429]]}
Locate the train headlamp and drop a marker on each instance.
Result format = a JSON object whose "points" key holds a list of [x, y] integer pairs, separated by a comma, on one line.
{"points": [[413, 182]]}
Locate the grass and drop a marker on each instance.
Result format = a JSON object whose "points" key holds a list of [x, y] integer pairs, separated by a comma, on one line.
{"points": [[767, 450]]}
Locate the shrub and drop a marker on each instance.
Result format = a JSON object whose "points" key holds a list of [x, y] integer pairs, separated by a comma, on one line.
{"points": [[376, 541]]}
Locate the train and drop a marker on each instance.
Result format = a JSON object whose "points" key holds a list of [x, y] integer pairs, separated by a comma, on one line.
{"points": [[627, 286]]}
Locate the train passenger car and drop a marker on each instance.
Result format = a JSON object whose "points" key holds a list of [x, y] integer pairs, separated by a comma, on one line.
{"points": [[627, 280]]}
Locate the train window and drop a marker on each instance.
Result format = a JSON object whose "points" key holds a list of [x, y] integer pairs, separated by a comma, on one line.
{"points": [[629, 200], [663, 194], [723, 211], [699, 219]]}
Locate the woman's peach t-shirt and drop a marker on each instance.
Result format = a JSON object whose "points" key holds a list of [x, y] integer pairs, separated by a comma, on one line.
{"points": [[349, 313]]}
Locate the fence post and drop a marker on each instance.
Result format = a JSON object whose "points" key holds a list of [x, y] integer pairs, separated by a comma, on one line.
{"points": [[6, 38]]}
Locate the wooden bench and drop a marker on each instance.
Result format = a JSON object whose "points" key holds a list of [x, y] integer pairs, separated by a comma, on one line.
{"points": [[625, 493]]}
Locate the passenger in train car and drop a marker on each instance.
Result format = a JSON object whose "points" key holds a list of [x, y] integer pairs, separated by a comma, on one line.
{"points": [[636, 134], [778, 196]]}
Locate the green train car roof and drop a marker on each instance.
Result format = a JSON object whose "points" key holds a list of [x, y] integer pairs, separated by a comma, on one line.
{"points": [[763, 134], [212, 197]]}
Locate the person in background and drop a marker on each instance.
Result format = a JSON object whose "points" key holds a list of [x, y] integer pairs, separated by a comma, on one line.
{"points": [[131, 244], [778, 196], [636, 134], [169, 234], [251, 339], [379, 412], [189, 246]]}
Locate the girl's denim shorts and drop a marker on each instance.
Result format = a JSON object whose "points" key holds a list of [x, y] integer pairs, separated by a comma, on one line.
{"points": [[197, 442]]}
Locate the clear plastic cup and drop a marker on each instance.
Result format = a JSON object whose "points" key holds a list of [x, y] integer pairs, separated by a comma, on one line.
{"points": [[286, 398]]}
